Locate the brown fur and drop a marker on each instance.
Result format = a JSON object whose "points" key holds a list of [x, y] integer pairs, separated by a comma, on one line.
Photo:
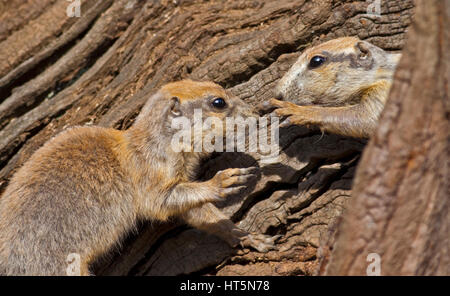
{"points": [[190, 90], [85, 189], [345, 95]]}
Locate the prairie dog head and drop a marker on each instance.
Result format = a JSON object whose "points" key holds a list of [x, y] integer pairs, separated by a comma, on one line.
{"points": [[193, 106], [186, 96], [336, 72]]}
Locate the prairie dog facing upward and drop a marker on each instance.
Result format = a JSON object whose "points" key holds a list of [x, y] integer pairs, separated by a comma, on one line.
{"points": [[87, 187], [341, 86]]}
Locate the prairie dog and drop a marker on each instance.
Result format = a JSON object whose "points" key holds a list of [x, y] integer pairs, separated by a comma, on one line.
{"points": [[87, 187], [342, 86]]}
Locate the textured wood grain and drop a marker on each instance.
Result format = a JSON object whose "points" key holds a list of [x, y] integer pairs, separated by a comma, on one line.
{"points": [[104, 74]]}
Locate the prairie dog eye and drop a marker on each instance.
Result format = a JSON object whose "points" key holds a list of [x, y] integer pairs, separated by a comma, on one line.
{"points": [[316, 62], [219, 103]]}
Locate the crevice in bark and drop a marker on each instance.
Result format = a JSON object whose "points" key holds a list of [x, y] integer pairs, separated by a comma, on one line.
{"points": [[25, 136], [272, 187], [137, 269], [37, 64], [23, 109]]}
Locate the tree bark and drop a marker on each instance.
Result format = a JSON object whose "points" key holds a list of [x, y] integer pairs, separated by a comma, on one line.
{"points": [[58, 71], [401, 203]]}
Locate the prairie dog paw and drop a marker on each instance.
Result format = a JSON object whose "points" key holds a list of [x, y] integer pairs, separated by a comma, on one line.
{"points": [[271, 104], [231, 181], [260, 242]]}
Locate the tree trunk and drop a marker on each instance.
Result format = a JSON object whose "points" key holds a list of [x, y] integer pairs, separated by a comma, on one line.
{"points": [[400, 203], [58, 71]]}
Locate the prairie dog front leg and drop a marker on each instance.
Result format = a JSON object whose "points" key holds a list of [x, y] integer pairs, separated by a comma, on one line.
{"points": [[357, 121], [340, 86], [211, 220]]}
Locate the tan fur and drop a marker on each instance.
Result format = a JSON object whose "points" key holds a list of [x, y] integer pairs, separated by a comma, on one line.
{"points": [[345, 95], [85, 189], [192, 90]]}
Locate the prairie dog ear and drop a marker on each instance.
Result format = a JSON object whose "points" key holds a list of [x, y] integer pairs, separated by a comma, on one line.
{"points": [[174, 107], [363, 51]]}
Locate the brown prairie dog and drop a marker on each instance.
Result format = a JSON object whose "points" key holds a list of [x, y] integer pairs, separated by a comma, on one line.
{"points": [[341, 86], [86, 188]]}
